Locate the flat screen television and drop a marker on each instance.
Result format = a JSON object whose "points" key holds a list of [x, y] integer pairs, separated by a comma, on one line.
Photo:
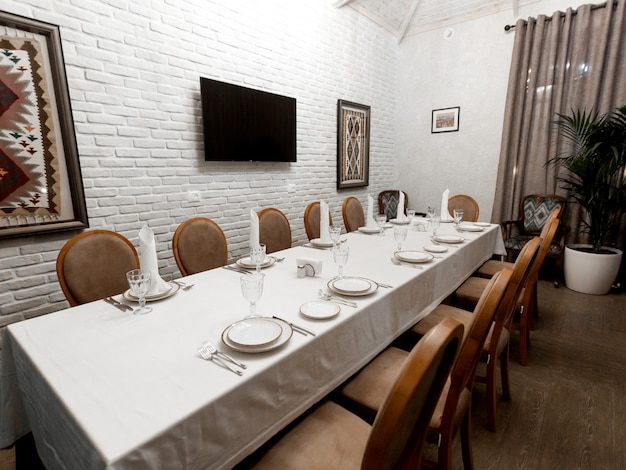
{"points": [[243, 124]]}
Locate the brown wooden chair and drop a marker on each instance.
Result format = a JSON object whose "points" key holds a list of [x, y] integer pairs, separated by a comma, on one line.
{"points": [[468, 293], [466, 203], [363, 393], [534, 211], [497, 343], [93, 265], [388, 203], [352, 212], [199, 244], [312, 220], [330, 437], [274, 230]]}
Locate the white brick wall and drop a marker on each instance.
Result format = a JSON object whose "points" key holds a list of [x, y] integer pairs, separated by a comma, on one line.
{"points": [[133, 70]]}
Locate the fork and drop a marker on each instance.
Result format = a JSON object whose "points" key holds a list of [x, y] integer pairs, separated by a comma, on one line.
{"points": [[206, 355], [408, 265], [279, 259], [337, 300], [183, 286], [213, 350]]}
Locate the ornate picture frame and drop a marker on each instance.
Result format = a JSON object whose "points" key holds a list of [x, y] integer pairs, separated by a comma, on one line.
{"points": [[41, 188], [353, 144], [445, 120]]}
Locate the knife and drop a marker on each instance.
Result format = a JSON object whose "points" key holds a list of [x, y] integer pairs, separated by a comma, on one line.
{"points": [[236, 269], [115, 303], [297, 328]]}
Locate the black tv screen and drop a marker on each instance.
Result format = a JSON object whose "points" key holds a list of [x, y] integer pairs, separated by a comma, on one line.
{"points": [[243, 124]]}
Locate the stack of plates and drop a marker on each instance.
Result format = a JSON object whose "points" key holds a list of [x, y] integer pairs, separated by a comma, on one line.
{"points": [[400, 222], [469, 227], [413, 256], [170, 291], [257, 334], [319, 243], [369, 229], [248, 264], [448, 239], [482, 224], [352, 286]]}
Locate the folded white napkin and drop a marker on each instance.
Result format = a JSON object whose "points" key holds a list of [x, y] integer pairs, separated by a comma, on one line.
{"points": [[149, 262], [370, 222], [400, 213], [254, 229], [324, 234], [445, 215]]}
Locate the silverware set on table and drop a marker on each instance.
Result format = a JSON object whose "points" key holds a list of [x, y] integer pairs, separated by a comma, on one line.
{"points": [[210, 353], [336, 299]]}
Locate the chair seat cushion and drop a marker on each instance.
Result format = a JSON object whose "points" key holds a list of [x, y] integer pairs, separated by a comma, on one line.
{"points": [[503, 340], [516, 244], [468, 293], [491, 267], [444, 311], [465, 400], [329, 437]]}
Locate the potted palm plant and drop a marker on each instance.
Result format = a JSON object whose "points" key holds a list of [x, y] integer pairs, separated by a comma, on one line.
{"points": [[595, 179]]}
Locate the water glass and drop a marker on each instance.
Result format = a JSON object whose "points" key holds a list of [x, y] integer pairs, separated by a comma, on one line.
{"points": [[431, 211], [335, 233], [399, 233], [434, 223], [410, 213], [340, 255], [458, 216], [139, 283], [252, 289], [257, 256], [381, 220]]}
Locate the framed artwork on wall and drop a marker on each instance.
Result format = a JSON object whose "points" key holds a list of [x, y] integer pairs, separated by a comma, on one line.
{"points": [[445, 120], [353, 144], [41, 188]]}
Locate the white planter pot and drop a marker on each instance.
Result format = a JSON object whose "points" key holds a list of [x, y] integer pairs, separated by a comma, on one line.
{"points": [[591, 273]]}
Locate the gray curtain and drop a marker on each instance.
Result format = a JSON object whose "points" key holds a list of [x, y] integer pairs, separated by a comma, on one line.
{"points": [[571, 60]]}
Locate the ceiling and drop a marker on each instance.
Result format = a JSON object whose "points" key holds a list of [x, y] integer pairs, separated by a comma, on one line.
{"points": [[408, 17]]}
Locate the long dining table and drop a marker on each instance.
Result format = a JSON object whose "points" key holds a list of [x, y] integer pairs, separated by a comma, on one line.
{"points": [[102, 388]]}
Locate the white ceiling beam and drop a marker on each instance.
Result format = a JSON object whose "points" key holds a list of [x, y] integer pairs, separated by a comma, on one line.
{"points": [[407, 21], [341, 3]]}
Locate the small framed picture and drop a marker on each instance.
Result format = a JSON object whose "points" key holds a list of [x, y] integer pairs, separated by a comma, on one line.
{"points": [[445, 120]]}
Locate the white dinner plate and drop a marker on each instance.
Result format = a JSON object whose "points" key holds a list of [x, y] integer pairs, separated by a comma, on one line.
{"points": [[413, 256], [320, 309], [436, 248], [254, 332], [448, 239], [351, 285], [470, 228], [369, 229], [482, 224], [446, 221], [247, 263], [173, 288], [285, 336], [371, 290], [319, 242], [400, 222]]}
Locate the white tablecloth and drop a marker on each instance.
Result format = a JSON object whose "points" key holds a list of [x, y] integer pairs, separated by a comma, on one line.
{"points": [[101, 388]]}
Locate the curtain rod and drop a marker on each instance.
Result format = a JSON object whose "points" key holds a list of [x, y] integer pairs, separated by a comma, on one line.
{"points": [[509, 27]]}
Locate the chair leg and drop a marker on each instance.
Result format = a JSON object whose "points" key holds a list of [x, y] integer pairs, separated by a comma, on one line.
{"points": [[491, 393], [534, 311], [504, 373], [466, 442], [524, 338]]}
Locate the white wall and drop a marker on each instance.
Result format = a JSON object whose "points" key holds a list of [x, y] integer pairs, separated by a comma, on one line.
{"points": [[469, 70], [133, 69]]}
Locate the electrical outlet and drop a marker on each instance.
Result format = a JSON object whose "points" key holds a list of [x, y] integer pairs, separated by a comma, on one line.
{"points": [[194, 196]]}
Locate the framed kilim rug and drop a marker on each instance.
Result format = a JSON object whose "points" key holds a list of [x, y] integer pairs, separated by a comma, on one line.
{"points": [[353, 144], [40, 181]]}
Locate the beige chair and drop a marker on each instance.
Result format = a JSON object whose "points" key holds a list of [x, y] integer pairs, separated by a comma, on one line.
{"points": [[93, 265], [365, 391], [199, 244], [352, 212], [466, 203], [274, 230], [497, 343], [312, 220], [330, 437]]}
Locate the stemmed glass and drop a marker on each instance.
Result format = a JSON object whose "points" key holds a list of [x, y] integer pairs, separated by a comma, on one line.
{"points": [[139, 282], [252, 289], [458, 216], [434, 223], [430, 213], [335, 233], [381, 220], [399, 233], [340, 255], [257, 256], [410, 213]]}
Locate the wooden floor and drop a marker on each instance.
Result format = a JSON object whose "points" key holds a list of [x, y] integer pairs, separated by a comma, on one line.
{"points": [[568, 407]]}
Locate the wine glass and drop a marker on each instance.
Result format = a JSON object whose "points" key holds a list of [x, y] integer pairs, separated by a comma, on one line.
{"points": [[431, 211], [458, 216], [434, 223], [335, 233], [340, 255], [257, 256], [139, 282], [381, 220], [252, 289], [410, 213], [399, 233]]}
